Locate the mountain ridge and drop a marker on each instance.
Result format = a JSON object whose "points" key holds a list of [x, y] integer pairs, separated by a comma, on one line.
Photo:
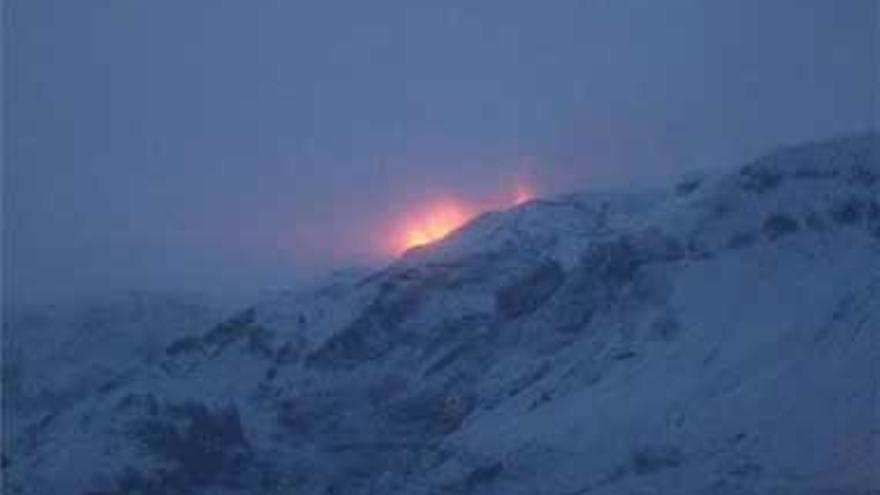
{"points": [[592, 343]]}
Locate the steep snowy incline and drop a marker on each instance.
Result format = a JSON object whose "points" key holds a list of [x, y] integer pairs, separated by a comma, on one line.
{"points": [[720, 337], [50, 351]]}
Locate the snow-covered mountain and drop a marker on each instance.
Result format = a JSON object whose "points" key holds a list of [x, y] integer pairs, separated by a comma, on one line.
{"points": [[55, 354], [719, 337]]}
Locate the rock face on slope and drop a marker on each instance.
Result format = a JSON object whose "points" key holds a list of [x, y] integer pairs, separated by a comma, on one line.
{"points": [[721, 337], [53, 354]]}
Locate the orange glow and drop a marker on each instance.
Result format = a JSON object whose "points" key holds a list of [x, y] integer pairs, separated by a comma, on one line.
{"points": [[436, 219], [523, 193], [433, 223]]}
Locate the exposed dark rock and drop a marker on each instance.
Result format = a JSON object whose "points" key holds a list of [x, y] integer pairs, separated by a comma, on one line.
{"points": [[271, 373], [779, 225], [848, 212], [652, 459], [687, 186], [290, 352], [183, 346], [814, 221], [596, 284], [741, 240], [483, 475], [373, 334], [447, 359], [201, 447], [666, 327], [295, 418], [527, 293], [759, 179], [430, 413], [260, 342], [229, 331], [218, 338], [144, 404]]}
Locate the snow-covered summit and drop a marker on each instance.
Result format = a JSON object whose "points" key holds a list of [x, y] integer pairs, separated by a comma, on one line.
{"points": [[718, 337]]}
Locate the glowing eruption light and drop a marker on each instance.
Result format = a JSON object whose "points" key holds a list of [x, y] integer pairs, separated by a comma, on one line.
{"points": [[434, 223], [437, 219], [523, 193]]}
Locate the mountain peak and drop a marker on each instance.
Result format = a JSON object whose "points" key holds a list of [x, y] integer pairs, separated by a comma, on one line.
{"points": [[716, 337]]}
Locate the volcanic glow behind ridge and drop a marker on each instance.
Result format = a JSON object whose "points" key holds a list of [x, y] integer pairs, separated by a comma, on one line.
{"points": [[523, 193], [438, 218], [434, 223]]}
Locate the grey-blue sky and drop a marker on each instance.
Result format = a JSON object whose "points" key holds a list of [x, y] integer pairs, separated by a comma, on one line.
{"points": [[237, 143]]}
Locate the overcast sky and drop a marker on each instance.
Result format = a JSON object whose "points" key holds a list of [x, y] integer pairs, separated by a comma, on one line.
{"points": [[238, 144]]}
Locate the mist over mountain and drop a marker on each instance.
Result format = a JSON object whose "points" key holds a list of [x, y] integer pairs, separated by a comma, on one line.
{"points": [[720, 336], [230, 146]]}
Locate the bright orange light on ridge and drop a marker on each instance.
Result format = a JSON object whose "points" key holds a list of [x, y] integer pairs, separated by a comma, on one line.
{"points": [[437, 219], [433, 224], [523, 193]]}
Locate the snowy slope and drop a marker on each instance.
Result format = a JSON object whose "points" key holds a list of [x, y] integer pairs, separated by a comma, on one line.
{"points": [[720, 337], [56, 354]]}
